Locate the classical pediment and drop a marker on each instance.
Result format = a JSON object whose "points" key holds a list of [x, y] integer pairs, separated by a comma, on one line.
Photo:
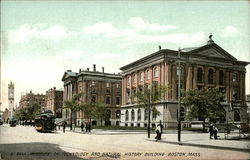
{"points": [[214, 51], [68, 74]]}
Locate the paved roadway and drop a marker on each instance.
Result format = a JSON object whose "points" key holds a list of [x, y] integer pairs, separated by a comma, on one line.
{"points": [[25, 143]]}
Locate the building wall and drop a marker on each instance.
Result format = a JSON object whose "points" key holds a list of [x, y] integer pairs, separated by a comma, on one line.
{"points": [[94, 85], [54, 101], [30, 98], [165, 61]]}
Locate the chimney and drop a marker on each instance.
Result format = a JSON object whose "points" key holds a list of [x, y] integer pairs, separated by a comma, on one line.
{"points": [[87, 69], [159, 47], [102, 69], [80, 70], [94, 67]]}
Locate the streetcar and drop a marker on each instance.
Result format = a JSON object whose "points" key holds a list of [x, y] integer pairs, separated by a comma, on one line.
{"points": [[45, 121]]}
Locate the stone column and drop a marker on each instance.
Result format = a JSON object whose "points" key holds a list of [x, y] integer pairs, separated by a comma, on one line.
{"points": [[189, 77]]}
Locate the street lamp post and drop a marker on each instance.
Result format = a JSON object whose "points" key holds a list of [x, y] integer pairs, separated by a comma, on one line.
{"points": [[179, 94], [149, 111]]}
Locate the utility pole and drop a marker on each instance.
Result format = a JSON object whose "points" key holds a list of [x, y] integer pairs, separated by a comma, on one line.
{"points": [[149, 111], [179, 94]]}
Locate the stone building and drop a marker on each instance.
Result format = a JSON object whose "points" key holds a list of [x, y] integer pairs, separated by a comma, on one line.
{"points": [[96, 87], [54, 101], [30, 98], [201, 67]]}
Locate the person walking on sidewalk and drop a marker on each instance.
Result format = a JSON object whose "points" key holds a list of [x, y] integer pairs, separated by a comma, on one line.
{"points": [[82, 126], [211, 131], [215, 132], [64, 126], [158, 131]]}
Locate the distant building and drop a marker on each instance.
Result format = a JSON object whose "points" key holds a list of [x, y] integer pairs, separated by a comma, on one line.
{"points": [[6, 116], [54, 101], [30, 98], [96, 87], [11, 91], [201, 67]]}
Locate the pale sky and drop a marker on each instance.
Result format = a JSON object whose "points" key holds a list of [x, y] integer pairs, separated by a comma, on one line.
{"points": [[42, 39]]}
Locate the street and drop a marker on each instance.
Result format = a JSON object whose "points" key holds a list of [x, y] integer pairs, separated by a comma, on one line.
{"points": [[24, 142]]}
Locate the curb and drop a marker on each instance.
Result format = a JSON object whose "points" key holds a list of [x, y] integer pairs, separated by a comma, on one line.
{"points": [[203, 145]]}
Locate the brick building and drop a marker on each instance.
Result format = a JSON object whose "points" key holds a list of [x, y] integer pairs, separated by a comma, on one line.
{"points": [[54, 101], [202, 67], [96, 87], [30, 98]]}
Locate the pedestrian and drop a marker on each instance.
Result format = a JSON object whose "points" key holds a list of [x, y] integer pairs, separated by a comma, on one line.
{"points": [[64, 126], [211, 131], [158, 131], [86, 126], [73, 126], [215, 132], [82, 126]]}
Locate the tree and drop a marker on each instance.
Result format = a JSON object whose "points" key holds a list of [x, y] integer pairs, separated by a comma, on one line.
{"points": [[73, 105], [149, 95], [203, 104], [28, 112], [95, 110]]}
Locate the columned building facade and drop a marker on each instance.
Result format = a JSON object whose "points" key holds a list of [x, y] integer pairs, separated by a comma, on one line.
{"points": [[96, 87], [207, 66]]}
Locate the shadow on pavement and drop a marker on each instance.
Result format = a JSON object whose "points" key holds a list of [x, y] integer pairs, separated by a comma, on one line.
{"points": [[37, 151], [202, 145]]}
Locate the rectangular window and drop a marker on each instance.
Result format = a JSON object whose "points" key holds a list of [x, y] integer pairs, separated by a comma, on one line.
{"points": [[108, 100], [235, 77], [107, 84], [108, 91], [117, 100], [93, 98]]}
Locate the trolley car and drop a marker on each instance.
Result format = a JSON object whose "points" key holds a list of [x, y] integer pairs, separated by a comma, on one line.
{"points": [[45, 122]]}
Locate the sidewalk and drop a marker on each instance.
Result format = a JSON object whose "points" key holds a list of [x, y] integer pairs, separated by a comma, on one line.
{"points": [[188, 138], [202, 140]]}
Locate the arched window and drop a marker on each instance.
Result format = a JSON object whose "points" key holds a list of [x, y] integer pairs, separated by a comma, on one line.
{"points": [[109, 113], [210, 76], [134, 78], [118, 114], [139, 114], [148, 74], [141, 76], [199, 75], [156, 74], [132, 115], [221, 77], [126, 115]]}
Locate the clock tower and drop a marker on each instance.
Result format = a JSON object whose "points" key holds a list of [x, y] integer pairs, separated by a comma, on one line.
{"points": [[11, 98]]}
